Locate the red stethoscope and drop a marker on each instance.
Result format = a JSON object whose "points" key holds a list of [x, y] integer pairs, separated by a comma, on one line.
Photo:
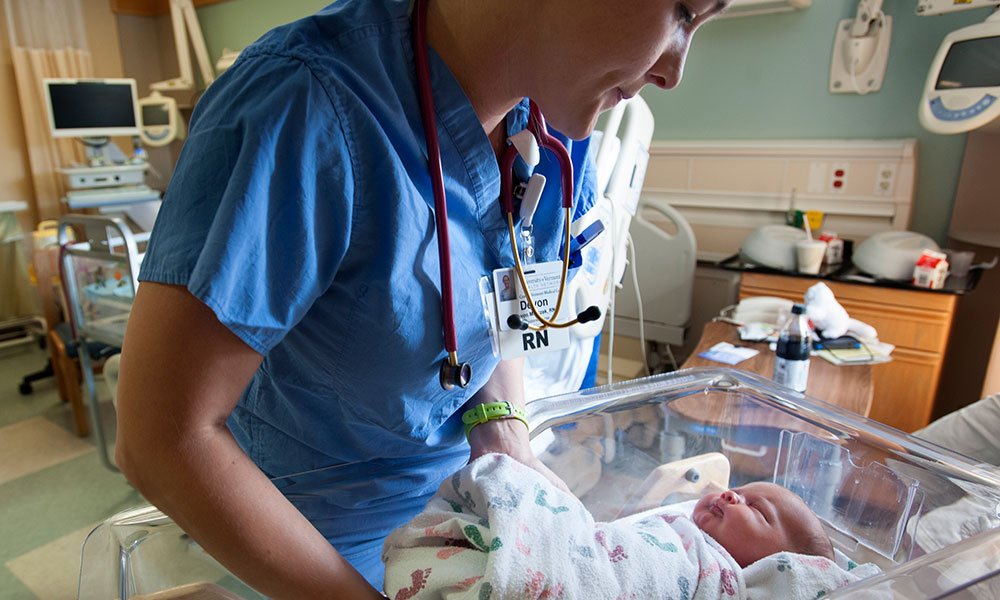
{"points": [[454, 373]]}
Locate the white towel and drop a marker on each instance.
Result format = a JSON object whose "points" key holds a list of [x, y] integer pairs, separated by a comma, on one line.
{"points": [[498, 529]]}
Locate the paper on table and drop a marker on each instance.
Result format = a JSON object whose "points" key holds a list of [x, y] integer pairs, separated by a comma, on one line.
{"points": [[852, 356], [871, 352], [727, 353]]}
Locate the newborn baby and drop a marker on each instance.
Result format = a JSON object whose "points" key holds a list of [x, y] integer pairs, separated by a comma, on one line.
{"points": [[760, 519], [500, 530]]}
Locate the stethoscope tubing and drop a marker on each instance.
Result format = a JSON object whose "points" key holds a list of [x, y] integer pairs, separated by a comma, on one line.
{"points": [[527, 290], [426, 96], [545, 140], [453, 372]]}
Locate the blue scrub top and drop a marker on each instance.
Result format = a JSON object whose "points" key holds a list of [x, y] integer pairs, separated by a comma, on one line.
{"points": [[301, 213]]}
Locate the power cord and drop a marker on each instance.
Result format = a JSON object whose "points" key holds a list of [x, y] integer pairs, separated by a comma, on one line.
{"points": [[638, 300], [614, 288]]}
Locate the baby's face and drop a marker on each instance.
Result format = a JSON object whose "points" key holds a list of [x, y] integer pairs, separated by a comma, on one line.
{"points": [[755, 520]]}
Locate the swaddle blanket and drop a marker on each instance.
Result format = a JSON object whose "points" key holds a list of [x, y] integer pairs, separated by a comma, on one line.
{"points": [[500, 530], [789, 575]]}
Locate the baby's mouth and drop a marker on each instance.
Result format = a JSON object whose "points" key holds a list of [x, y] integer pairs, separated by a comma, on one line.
{"points": [[716, 509]]}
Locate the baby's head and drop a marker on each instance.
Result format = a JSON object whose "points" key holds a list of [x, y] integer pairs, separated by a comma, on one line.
{"points": [[760, 519]]}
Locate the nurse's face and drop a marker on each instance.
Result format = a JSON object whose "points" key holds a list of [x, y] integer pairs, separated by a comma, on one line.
{"points": [[600, 52]]}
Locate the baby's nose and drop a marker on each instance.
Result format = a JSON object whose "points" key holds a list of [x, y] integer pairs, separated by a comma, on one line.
{"points": [[731, 497]]}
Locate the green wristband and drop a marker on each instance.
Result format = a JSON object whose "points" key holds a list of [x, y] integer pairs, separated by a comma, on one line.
{"points": [[492, 411]]}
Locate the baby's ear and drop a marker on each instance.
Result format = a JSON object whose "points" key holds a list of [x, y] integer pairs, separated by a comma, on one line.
{"points": [[817, 543]]}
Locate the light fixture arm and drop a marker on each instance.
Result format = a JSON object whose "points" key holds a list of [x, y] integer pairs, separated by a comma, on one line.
{"points": [[184, 20], [869, 11]]}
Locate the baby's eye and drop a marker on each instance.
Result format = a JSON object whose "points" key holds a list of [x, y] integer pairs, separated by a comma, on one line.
{"points": [[757, 508]]}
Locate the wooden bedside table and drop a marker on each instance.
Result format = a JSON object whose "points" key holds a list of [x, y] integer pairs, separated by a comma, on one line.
{"points": [[915, 321], [848, 386]]}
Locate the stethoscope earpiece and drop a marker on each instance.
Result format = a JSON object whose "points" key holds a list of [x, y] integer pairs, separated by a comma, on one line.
{"points": [[592, 313], [455, 375], [514, 322]]}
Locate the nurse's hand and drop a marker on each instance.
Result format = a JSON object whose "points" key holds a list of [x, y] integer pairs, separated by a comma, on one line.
{"points": [[506, 436], [510, 437]]}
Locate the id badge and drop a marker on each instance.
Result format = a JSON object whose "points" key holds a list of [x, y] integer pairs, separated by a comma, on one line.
{"points": [[543, 281]]}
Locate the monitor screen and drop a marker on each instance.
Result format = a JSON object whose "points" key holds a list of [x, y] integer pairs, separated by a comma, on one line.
{"points": [[155, 115], [92, 107], [971, 63]]}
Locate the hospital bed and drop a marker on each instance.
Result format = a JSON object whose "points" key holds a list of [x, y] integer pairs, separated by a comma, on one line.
{"points": [[926, 516]]}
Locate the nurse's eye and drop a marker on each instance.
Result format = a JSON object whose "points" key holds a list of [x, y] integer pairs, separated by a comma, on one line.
{"points": [[685, 14]]}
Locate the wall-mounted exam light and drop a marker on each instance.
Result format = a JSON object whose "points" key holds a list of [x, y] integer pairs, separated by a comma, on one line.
{"points": [[963, 83], [185, 22], [861, 50]]}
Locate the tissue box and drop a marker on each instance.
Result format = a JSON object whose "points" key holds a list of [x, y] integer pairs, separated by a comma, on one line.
{"points": [[931, 270]]}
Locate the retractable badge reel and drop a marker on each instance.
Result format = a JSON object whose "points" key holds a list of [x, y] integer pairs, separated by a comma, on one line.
{"points": [[530, 193]]}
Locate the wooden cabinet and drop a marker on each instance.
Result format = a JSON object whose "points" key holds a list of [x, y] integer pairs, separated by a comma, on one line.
{"points": [[149, 8], [916, 322]]}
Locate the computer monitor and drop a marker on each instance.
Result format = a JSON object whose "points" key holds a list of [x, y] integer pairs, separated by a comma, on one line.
{"points": [[92, 108]]}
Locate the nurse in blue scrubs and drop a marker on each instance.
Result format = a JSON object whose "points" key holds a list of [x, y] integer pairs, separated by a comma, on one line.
{"points": [[289, 315]]}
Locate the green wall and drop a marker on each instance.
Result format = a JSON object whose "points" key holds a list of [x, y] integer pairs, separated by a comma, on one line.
{"points": [[768, 77], [236, 23], [762, 77]]}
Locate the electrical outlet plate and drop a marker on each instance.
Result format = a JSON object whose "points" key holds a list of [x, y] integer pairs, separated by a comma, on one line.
{"points": [[838, 177], [885, 179], [871, 55]]}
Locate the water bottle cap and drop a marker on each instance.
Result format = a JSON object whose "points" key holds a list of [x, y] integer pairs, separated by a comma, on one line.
{"points": [[798, 309]]}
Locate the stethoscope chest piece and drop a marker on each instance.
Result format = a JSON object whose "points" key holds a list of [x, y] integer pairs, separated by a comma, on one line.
{"points": [[455, 374]]}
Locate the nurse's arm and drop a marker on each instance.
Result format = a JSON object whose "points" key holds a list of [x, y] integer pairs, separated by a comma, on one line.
{"points": [[182, 373], [506, 436]]}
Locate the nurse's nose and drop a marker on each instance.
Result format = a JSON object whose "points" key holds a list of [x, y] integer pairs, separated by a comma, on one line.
{"points": [[731, 497], [666, 72]]}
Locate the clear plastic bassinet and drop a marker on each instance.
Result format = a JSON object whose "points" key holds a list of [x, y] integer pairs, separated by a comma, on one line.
{"points": [[927, 516]]}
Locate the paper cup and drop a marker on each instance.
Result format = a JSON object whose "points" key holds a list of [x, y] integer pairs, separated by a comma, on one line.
{"points": [[809, 255], [959, 262]]}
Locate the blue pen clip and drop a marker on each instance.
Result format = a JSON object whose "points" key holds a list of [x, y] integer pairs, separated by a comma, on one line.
{"points": [[579, 241]]}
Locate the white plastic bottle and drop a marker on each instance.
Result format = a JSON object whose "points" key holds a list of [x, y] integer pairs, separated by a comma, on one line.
{"points": [[791, 360]]}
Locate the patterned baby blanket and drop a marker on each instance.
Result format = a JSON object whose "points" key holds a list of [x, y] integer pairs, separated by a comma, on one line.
{"points": [[499, 530]]}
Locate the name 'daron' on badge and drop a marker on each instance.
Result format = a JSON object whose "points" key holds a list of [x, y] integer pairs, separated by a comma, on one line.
{"points": [[543, 281]]}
